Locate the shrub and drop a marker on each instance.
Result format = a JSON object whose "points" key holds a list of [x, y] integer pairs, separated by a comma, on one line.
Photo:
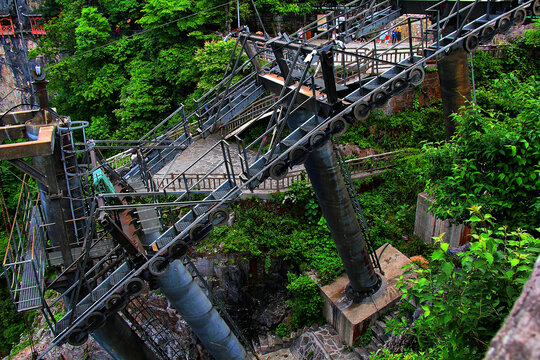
{"points": [[466, 299], [306, 303]]}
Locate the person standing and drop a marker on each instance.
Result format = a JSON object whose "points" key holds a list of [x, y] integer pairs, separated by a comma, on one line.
{"points": [[399, 33], [394, 36]]}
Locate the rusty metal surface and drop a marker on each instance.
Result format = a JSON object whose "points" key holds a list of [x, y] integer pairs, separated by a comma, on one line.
{"points": [[455, 86]]}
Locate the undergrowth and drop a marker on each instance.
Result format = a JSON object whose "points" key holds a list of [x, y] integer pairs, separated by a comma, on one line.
{"points": [[406, 129]]}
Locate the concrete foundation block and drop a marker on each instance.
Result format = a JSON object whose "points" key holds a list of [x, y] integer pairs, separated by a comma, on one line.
{"points": [[352, 320], [427, 226]]}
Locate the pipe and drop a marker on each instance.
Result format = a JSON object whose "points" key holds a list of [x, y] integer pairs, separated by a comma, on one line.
{"points": [[192, 304], [455, 86], [121, 342], [327, 181]]}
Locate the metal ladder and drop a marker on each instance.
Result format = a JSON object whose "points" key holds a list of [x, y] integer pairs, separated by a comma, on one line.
{"points": [[356, 205]]}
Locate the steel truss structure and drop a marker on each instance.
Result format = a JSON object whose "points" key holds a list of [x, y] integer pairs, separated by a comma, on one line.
{"points": [[122, 230]]}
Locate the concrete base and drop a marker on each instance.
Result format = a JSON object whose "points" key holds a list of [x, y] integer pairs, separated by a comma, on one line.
{"points": [[351, 320]]}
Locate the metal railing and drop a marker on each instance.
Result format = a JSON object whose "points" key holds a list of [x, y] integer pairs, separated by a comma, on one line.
{"points": [[25, 258], [361, 165]]}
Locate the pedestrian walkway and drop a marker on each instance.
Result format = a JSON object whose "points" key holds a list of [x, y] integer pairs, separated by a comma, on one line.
{"points": [[199, 159]]}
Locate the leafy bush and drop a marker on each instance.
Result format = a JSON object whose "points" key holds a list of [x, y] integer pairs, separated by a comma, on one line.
{"points": [[306, 303], [283, 330], [365, 338], [12, 324], [385, 354], [388, 202], [493, 158], [465, 300], [519, 56], [274, 229], [406, 129]]}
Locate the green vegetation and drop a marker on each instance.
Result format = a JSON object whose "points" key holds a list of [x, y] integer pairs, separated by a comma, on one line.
{"points": [[406, 129], [11, 323], [126, 65], [273, 229], [465, 299], [306, 303], [388, 201], [493, 160], [286, 7]]}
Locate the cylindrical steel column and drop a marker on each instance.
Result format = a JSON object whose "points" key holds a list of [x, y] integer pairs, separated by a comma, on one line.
{"points": [[119, 340], [327, 181], [455, 86], [192, 304]]}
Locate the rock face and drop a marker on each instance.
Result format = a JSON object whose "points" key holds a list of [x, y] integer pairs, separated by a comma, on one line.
{"points": [[252, 292], [15, 78], [519, 338]]}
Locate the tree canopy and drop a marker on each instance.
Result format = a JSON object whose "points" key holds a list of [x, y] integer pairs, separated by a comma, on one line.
{"points": [[125, 65]]}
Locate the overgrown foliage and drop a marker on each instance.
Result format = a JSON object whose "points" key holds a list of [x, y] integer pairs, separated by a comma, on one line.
{"points": [[519, 56], [271, 229], [465, 299], [406, 129], [124, 66], [388, 201], [306, 303], [493, 160]]}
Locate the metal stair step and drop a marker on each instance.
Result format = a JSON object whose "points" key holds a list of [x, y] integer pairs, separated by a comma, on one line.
{"points": [[98, 292], [181, 225], [220, 194], [201, 209], [118, 274]]}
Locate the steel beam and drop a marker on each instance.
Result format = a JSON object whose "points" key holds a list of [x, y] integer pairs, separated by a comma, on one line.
{"points": [[42, 146], [12, 132], [30, 170]]}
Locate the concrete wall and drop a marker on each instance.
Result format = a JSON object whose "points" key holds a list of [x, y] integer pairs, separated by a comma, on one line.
{"points": [[427, 226]]}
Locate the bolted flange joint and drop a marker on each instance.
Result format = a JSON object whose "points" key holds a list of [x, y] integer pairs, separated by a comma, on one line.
{"points": [[358, 296]]}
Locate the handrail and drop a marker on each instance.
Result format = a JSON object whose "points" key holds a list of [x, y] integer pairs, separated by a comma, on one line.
{"points": [[15, 218], [356, 166]]}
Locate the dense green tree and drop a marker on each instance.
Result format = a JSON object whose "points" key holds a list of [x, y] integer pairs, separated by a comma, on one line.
{"points": [[286, 7], [123, 66]]}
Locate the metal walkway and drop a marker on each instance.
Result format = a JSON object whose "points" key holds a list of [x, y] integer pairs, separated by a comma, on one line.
{"points": [[336, 85]]}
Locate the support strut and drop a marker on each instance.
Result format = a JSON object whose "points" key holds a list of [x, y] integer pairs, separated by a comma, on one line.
{"points": [[455, 86], [327, 181]]}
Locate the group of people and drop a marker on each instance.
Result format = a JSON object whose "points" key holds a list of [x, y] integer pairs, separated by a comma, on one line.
{"points": [[394, 36]]}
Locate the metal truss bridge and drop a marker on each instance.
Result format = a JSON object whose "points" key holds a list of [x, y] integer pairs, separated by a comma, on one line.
{"points": [[110, 230]]}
